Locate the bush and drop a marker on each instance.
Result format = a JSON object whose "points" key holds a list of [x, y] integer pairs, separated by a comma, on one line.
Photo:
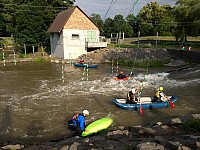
{"points": [[192, 126], [143, 63]]}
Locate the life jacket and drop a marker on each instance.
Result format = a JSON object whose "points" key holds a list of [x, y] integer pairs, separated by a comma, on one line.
{"points": [[74, 121], [157, 94], [128, 96], [131, 95]]}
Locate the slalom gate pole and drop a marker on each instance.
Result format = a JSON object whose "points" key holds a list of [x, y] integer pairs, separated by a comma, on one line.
{"points": [[117, 69], [63, 72], [83, 75], [112, 67], [87, 72], [4, 61], [15, 58]]}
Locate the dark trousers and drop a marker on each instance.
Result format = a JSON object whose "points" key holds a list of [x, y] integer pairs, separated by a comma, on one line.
{"points": [[73, 127]]}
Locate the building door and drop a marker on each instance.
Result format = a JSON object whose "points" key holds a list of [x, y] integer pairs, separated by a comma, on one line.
{"points": [[91, 36]]}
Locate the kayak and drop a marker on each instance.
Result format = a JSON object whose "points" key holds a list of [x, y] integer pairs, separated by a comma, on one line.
{"points": [[146, 103], [86, 65], [97, 126], [124, 79]]}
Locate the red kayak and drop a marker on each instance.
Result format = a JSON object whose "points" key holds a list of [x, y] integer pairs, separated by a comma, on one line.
{"points": [[116, 78]]}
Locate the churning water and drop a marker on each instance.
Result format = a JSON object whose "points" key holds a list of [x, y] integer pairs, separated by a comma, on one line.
{"points": [[35, 102]]}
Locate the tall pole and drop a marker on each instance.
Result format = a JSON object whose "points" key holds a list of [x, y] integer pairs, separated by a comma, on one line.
{"points": [[156, 39], [4, 61], [63, 71], [25, 49], [14, 58]]}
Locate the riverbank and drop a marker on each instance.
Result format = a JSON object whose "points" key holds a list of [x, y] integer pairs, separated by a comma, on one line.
{"points": [[157, 135]]}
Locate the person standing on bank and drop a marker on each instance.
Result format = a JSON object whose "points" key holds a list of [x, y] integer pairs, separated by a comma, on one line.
{"points": [[77, 123]]}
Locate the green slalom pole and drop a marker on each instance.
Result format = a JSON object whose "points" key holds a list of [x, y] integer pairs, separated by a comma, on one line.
{"points": [[63, 72], [4, 61], [83, 75], [87, 72]]}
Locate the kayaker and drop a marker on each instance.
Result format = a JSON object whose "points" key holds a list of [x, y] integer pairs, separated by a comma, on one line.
{"points": [[77, 123], [121, 75], [81, 61], [90, 62], [132, 96], [160, 96]]}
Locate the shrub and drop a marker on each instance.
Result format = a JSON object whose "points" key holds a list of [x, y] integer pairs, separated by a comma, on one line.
{"points": [[192, 126]]}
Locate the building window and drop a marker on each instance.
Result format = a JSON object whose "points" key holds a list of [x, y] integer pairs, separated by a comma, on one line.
{"points": [[75, 36]]}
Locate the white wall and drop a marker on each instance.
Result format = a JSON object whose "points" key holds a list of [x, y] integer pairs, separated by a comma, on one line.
{"points": [[64, 46]]}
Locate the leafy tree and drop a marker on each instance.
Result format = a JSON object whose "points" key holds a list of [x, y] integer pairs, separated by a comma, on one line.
{"points": [[120, 25], [6, 16], [134, 23], [188, 20], [108, 27], [97, 19], [30, 19], [153, 16]]}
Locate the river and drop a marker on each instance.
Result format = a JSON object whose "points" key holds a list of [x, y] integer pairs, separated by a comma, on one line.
{"points": [[35, 102]]}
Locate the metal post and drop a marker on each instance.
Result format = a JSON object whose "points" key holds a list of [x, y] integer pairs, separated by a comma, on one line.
{"points": [[14, 58], [138, 39], [33, 51], [156, 39], [25, 49]]}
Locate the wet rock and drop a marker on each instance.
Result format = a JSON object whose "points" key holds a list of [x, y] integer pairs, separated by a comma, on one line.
{"points": [[13, 147], [176, 121], [149, 146], [74, 146], [196, 116], [118, 134], [198, 145]]}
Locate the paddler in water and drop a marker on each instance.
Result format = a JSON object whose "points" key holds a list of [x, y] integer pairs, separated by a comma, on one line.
{"points": [[77, 123], [121, 75], [132, 96], [160, 96]]}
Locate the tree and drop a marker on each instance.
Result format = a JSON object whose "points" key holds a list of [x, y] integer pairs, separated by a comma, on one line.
{"points": [[188, 20], [30, 19], [152, 16], [6, 17], [97, 19], [120, 25], [108, 27]]}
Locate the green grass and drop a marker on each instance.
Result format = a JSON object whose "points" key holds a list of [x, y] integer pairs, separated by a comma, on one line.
{"points": [[39, 60], [162, 42], [192, 126], [142, 63]]}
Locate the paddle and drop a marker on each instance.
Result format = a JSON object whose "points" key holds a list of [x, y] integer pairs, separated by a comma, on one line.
{"points": [[140, 110], [170, 103]]}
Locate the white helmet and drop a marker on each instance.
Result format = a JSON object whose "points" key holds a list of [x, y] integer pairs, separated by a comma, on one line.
{"points": [[133, 90], [86, 112]]}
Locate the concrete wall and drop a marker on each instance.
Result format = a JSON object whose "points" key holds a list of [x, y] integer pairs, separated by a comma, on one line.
{"points": [[56, 45], [192, 56]]}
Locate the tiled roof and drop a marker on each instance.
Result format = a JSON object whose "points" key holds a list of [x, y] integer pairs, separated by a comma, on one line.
{"points": [[62, 18]]}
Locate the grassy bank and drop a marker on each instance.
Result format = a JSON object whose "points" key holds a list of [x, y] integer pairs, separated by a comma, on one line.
{"points": [[142, 63], [160, 42]]}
